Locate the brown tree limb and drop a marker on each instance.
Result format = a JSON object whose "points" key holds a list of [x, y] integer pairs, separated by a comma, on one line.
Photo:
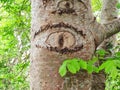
{"points": [[106, 30], [109, 11], [110, 24], [112, 27]]}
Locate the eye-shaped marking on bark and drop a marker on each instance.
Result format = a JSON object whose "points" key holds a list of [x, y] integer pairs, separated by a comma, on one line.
{"points": [[83, 41], [65, 4], [61, 39], [65, 7]]}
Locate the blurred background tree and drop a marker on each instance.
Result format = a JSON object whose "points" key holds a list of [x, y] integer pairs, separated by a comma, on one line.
{"points": [[15, 44]]}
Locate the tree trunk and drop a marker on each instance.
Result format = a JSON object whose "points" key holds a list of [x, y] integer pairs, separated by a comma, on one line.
{"points": [[63, 29]]}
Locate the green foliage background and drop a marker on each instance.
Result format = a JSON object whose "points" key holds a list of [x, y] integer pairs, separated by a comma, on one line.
{"points": [[15, 43]]}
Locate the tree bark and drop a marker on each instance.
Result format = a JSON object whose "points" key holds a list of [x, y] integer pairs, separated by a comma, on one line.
{"points": [[63, 29]]}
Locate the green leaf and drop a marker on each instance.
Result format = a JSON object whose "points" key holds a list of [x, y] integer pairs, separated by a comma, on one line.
{"points": [[75, 64], [89, 68], [118, 5], [109, 66], [94, 59], [62, 70], [103, 65], [96, 5], [95, 69], [117, 54], [90, 65], [117, 62], [83, 64], [114, 73], [101, 52], [71, 68]]}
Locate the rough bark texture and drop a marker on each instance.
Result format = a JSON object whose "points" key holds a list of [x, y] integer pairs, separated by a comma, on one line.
{"points": [[62, 29]]}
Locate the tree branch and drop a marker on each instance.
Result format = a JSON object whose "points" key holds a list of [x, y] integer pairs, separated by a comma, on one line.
{"points": [[106, 30], [112, 27], [110, 24], [108, 13], [109, 17], [109, 10]]}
